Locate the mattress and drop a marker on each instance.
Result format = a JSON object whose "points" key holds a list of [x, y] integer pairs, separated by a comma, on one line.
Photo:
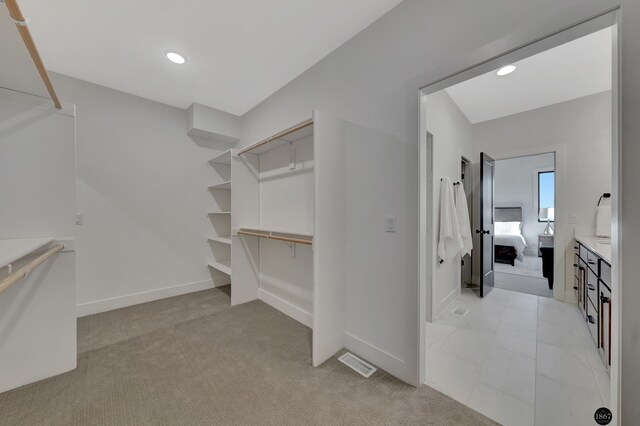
{"points": [[515, 241]]}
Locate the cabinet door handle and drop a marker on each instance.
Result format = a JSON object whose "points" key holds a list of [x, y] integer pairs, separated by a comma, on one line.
{"points": [[575, 265], [591, 288], [591, 262], [575, 287], [591, 320], [576, 248], [604, 299]]}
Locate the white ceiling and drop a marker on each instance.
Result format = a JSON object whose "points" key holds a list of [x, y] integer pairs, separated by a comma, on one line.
{"points": [[239, 51], [573, 70]]}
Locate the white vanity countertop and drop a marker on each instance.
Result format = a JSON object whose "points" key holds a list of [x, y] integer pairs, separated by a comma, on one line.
{"points": [[12, 250], [600, 246]]}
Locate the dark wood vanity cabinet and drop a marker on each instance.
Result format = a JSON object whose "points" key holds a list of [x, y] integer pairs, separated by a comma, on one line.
{"points": [[605, 324], [592, 287]]}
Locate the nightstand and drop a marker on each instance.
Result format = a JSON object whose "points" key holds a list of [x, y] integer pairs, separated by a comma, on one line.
{"points": [[544, 241]]}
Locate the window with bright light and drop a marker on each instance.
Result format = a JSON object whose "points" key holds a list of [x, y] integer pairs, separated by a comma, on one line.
{"points": [[546, 196]]}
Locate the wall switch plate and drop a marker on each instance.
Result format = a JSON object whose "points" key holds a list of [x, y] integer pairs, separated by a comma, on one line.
{"points": [[292, 250], [573, 219], [391, 224], [78, 219]]}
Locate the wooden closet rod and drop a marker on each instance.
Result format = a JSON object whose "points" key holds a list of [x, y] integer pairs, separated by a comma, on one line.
{"points": [[16, 276], [277, 136], [18, 18], [276, 237]]}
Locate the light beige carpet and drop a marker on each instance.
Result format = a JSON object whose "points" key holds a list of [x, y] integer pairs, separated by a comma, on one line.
{"points": [[193, 360]]}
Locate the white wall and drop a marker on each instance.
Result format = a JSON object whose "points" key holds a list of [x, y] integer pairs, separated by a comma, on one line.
{"points": [[287, 202], [582, 128], [141, 188], [37, 193], [452, 139], [516, 185]]}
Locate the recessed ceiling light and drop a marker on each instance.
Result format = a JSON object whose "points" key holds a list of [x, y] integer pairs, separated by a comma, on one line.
{"points": [[175, 57], [506, 70]]}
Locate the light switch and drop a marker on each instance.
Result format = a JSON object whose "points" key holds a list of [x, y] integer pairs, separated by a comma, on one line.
{"points": [[391, 224], [573, 219], [78, 219]]}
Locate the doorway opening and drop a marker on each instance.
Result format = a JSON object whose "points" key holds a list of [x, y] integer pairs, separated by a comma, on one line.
{"points": [[524, 234], [500, 341]]}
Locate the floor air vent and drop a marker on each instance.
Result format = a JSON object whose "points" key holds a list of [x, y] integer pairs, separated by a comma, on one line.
{"points": [[461, 311], [362, 367]]}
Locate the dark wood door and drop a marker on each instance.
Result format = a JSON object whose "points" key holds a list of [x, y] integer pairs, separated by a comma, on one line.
{"points": [[487, 177]]}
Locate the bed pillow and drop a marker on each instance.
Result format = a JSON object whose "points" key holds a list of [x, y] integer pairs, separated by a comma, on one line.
{"points": [[508, 228]]}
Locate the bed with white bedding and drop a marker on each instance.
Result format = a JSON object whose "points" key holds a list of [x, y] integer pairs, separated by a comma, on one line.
{"points": [[516, 241], [508, 239]]}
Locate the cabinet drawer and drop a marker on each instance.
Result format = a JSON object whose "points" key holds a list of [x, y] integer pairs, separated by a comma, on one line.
{"points": [[605, 273], [605, 325], [576, 265], [583, 253], [582, 286], [592, 322], [592, 261], [592, 288]]}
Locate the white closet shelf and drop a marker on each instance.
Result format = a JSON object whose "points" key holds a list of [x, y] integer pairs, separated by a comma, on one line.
{"points": [[224, 158], [218, 213], [277, 234], [221, 265], [292, 134], [221, 240], [223, 185]]}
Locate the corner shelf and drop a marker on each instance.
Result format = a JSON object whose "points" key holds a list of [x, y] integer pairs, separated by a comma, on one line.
{"points": [[224, 158], [223, 266], [221, 240], [223, 185]]}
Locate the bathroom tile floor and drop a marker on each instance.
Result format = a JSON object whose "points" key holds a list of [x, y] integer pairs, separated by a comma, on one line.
{"points": [[517, 358]]}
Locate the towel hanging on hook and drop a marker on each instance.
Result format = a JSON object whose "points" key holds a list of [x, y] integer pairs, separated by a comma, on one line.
{"points": [[454, 183]]}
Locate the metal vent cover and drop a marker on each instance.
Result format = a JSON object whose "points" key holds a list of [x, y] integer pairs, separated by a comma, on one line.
{"points": [[362, 367]]}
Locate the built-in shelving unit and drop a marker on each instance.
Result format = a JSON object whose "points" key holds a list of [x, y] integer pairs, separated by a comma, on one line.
{"points": [[221, 240], [285, 226], [222, 266], [220, 216], [224, 158]]}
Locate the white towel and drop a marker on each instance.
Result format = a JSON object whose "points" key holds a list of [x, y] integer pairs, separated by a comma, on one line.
{"points": [[462, 211], [603, 221], [450, 242]]}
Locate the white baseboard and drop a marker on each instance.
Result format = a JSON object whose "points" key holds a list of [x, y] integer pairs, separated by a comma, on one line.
{"points": [[110, 304], [286, 308], [377, 356], [446, 302]]}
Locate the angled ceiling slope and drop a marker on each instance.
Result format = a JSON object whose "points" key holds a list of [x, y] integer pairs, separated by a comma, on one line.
{"points": [[239, 52], [579, 68]]}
